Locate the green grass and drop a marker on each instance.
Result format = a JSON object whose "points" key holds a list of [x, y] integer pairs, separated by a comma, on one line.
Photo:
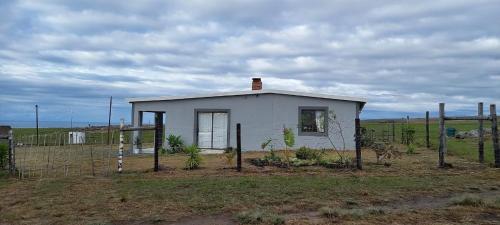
{"points": [[27, 135], [464, 148]]}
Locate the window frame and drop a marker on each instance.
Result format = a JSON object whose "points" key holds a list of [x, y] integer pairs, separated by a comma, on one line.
{"points": [[316, 108]]}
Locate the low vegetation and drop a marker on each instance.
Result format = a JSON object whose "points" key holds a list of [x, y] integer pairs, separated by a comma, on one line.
{"points": [[4, 152], [259, 217], [194, 158], [176, 144]]}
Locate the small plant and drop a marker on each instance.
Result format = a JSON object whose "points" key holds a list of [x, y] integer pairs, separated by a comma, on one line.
{"points": [[468, 200], [289, 139], [4, 151], [411, 149], [229, 154], [194, 158], [259, 217], [349, 213], [176, 143], [308, 154]]}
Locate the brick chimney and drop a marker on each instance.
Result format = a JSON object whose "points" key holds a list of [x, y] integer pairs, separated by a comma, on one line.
{"points": [[256, 84]]}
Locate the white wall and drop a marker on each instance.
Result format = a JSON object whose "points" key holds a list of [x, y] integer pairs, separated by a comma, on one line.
{"points": [[261, 117]]}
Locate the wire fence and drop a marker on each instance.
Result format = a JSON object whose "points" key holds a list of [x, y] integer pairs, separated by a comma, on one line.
{"points": [[68, 154]]}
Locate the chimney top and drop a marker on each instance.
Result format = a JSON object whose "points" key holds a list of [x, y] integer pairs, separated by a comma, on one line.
{"points": [[256, 84]]}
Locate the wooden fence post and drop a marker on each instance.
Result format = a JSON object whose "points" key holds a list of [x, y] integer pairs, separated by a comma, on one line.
{"points": [[11, 153], [357, 125], [442, 136], [393, 131], [494, 134], [481, 132], [427, 131], [238, 147], [158, 138], [120, 149]]}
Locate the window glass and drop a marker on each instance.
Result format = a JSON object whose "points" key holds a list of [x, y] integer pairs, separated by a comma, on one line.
{"points": [[312, 120]]}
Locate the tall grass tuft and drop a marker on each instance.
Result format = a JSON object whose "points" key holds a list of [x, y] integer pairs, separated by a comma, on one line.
{"points": [[194, 158]]}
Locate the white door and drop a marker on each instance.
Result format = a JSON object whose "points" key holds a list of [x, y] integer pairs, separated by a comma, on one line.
{"points": [[219, 130], [212, 130], [204, 130]]}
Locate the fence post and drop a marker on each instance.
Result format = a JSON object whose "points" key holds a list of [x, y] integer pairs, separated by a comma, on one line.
{"points": [[358, 143], [442, 136], [481, 132], [393, 131], [494, 134], [120, 149], [238, 147], [158, 138], [427, 132], [11, 148]]}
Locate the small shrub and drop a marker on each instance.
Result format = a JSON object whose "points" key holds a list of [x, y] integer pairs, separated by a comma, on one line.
{"points": [[411, 149], [375, 211], [306, 153], [4, 153], [468, 200], [259, 217], [289, 139], [176, 143], [344, 213], [194, 158], [229, 154]]}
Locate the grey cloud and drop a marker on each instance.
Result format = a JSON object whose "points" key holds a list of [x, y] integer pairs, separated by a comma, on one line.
{"points": [[404, 57]]}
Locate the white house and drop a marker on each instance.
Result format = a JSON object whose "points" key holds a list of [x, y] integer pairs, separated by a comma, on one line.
{"points": [[209, 120]]}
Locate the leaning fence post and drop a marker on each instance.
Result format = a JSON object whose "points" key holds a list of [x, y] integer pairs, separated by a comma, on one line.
{"points": [[481, 132], [238, 147], [427, 134], [494, 134], [120, 150], [442, 136]]}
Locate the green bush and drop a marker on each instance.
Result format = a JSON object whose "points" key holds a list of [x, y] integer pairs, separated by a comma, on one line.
{"points": [[176, 143], [308, 153], [194, 158], [4, 153], [288, 137]]}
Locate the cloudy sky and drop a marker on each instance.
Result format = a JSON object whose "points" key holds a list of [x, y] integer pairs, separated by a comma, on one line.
{"points": [[70, 56]]}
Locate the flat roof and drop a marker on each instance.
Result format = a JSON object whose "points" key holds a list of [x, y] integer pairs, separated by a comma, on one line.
{"points": [[256, 92]]}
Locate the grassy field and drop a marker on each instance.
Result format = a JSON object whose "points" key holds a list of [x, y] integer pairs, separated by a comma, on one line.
{"points": [[409, 191], [465, 148], [406, 190]]}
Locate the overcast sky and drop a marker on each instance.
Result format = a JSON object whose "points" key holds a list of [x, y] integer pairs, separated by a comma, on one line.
{"points": [[70, 56]]}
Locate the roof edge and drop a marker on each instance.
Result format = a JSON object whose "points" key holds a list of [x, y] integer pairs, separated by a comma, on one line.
{"points": [[240, 93]]}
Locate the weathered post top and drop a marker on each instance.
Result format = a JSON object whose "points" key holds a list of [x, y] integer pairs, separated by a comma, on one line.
{"points": [[4, 132]]}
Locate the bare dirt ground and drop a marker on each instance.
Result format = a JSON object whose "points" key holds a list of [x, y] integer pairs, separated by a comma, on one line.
{"points": [[412, 190]]}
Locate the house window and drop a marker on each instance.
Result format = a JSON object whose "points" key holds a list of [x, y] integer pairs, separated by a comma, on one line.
{"points": [[313, 121]]}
